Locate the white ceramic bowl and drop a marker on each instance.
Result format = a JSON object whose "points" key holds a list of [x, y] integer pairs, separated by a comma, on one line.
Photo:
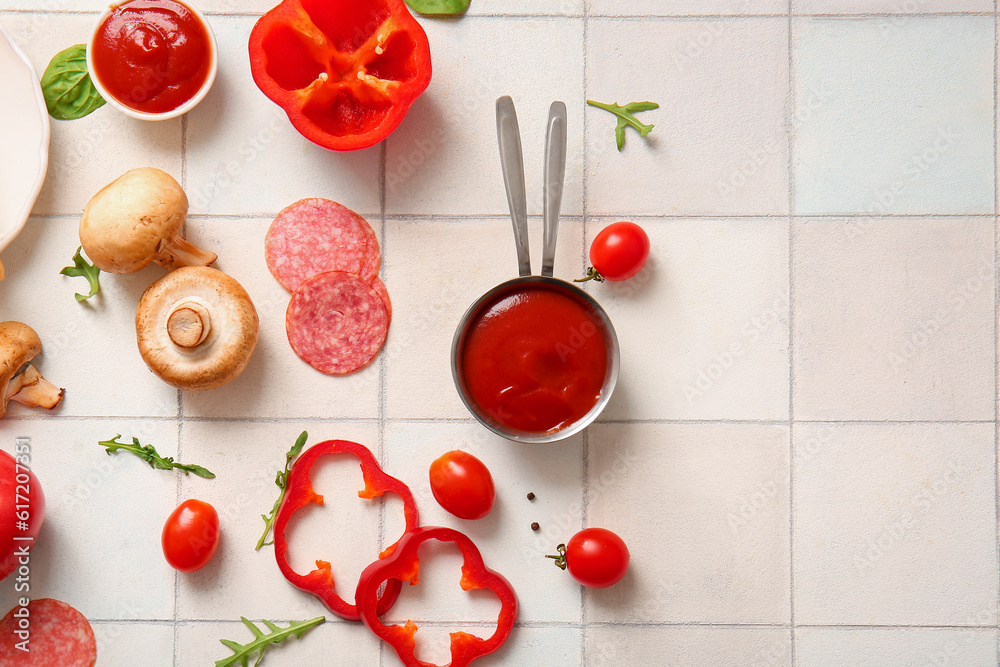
{"points": [[166, 115], [24, 138]]}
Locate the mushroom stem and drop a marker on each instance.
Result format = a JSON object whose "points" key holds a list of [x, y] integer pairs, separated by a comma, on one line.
{"points": [[31, 389], [173, 312], [189, 323], [178, 252]]}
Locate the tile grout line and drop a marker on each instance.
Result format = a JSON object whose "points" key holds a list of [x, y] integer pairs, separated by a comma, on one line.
{"points": [[382, 363], [570, 624], [184, 128], [609, 17], [708, 217], [585, 453], [584, 12], [177, 501], [996, 316], [180, 413], [471, 420], [790, 113], [773, 15]]}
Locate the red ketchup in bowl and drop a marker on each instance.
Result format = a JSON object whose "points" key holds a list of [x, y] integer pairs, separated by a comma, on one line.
{"points": [[535, 359], [152, 55]]}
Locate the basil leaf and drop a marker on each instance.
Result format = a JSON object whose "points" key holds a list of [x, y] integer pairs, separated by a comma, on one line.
{"points": [[69, 92], [439, 7]]}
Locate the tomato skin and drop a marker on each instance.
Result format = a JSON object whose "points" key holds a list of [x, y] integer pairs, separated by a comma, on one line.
{"points": [[596, 557], [462, 484], [190, 535], [9, 559], [620, 250]]}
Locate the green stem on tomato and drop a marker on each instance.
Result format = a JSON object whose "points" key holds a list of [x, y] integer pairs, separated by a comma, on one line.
{"points": [[592, 274], [561, 558]]}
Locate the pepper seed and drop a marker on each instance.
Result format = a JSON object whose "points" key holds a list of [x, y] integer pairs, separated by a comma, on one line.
{"points": [[531, 496], [534, 525]]}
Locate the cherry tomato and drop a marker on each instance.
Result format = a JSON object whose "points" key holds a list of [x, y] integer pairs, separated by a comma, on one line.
{"points": [[619, 251], [22, 507], [462, 484], [191, 535], [595, 557]]}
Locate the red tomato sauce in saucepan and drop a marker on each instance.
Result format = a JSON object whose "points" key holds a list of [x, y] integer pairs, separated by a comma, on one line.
{"points": [[152, 55], [535, 359]]}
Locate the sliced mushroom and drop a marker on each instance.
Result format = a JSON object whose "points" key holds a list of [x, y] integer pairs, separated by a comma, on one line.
{"points": [[19, 380], [196, 328], [135, 220]]}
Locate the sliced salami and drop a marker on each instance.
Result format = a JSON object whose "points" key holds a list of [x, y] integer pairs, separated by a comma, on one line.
{"points": [[54, 634], [316, 235], [379, 287], [371, 261], [336, 322]]}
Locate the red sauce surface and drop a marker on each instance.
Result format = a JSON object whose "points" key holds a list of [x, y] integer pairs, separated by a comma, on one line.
{"points": [[152, 55], [535, 359]]}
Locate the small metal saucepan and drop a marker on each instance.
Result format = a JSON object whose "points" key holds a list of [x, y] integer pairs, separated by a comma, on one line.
{"points": [[513, 171]]}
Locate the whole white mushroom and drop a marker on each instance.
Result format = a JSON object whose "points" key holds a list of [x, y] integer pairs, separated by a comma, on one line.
{"points": [[196, 328], [135, 220]]}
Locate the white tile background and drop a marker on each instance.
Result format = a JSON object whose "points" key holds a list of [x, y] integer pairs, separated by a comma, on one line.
{"points": [[801, 452]]}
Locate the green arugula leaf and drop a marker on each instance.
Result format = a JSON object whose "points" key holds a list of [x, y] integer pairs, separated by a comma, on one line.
{"points": [[151, 456], [438, 7], [83, 268], [69, 92], [281, 480], [242, 652], [197, 470], [626, 117]]}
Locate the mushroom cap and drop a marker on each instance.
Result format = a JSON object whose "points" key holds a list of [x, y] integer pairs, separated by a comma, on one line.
{"points": [[123, 225], [19, 344], [219, 356]]}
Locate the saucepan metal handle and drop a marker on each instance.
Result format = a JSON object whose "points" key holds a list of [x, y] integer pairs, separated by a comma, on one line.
{"points": [[555, 173], [512, 164]]}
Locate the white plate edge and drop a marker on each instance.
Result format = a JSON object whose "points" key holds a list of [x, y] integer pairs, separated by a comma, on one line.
{"points": [[43, 148]]}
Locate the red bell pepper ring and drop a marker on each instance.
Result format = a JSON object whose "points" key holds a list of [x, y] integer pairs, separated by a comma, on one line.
{"points": [[404, 565], [299, 493], [345, 71]]}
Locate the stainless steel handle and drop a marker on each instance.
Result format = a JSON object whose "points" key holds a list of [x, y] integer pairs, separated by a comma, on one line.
{"points": [[555, 173], [512, 164]]}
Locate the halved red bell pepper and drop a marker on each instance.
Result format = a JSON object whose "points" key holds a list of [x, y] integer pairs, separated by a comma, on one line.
{"points": [[404, 565], [300, 493], [345, 71]]}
